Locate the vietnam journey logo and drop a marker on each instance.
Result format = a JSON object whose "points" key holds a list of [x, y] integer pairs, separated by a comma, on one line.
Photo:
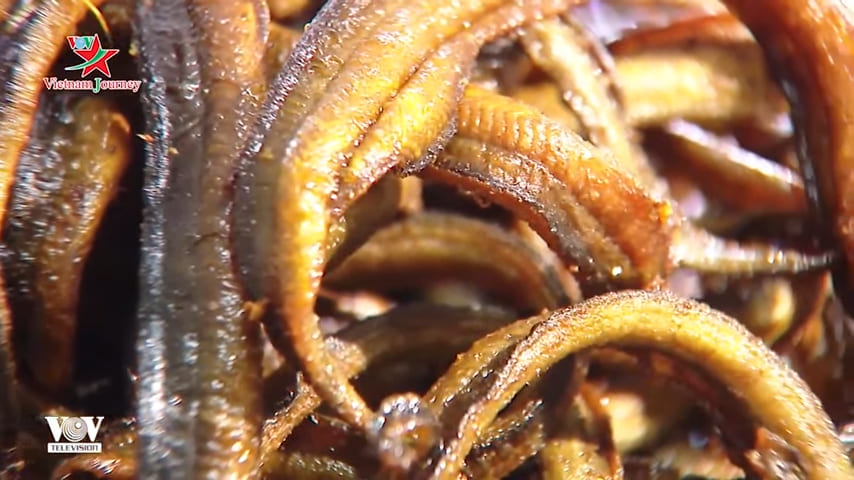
{"points": [[95, 58], [73, 430]]}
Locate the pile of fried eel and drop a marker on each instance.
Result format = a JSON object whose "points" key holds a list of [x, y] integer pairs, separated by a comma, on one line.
{"points": [[429, 239]]}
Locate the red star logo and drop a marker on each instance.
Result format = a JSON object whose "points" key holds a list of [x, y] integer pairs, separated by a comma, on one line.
{"points": [[95, 57]]}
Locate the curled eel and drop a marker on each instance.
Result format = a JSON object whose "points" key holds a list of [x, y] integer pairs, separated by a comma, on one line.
{"points": [[294, 91], [556, 47], [462, 375], [408, 332], [774, 394], [316, 59], [66, 177], [373, 210], [28, 53], [193, 323], [577, 197], [732, 173], [317, 121], [514, 438], [696, 248], [31, 40], [432, 246], [411, 145], [707, 83], [563, 49], [810, 45]]}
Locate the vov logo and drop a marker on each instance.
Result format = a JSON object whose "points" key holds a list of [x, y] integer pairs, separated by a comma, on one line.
{"points": [[74, 430]]}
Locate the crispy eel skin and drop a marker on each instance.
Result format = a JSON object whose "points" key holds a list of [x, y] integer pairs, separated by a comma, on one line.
{"points": [[810, 45], [193, 323], [773, 392], [316, 122], [67, 175], [30, 42]]}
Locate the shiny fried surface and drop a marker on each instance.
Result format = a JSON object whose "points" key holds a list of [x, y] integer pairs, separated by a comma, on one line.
{"points": [[557, 239]]}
